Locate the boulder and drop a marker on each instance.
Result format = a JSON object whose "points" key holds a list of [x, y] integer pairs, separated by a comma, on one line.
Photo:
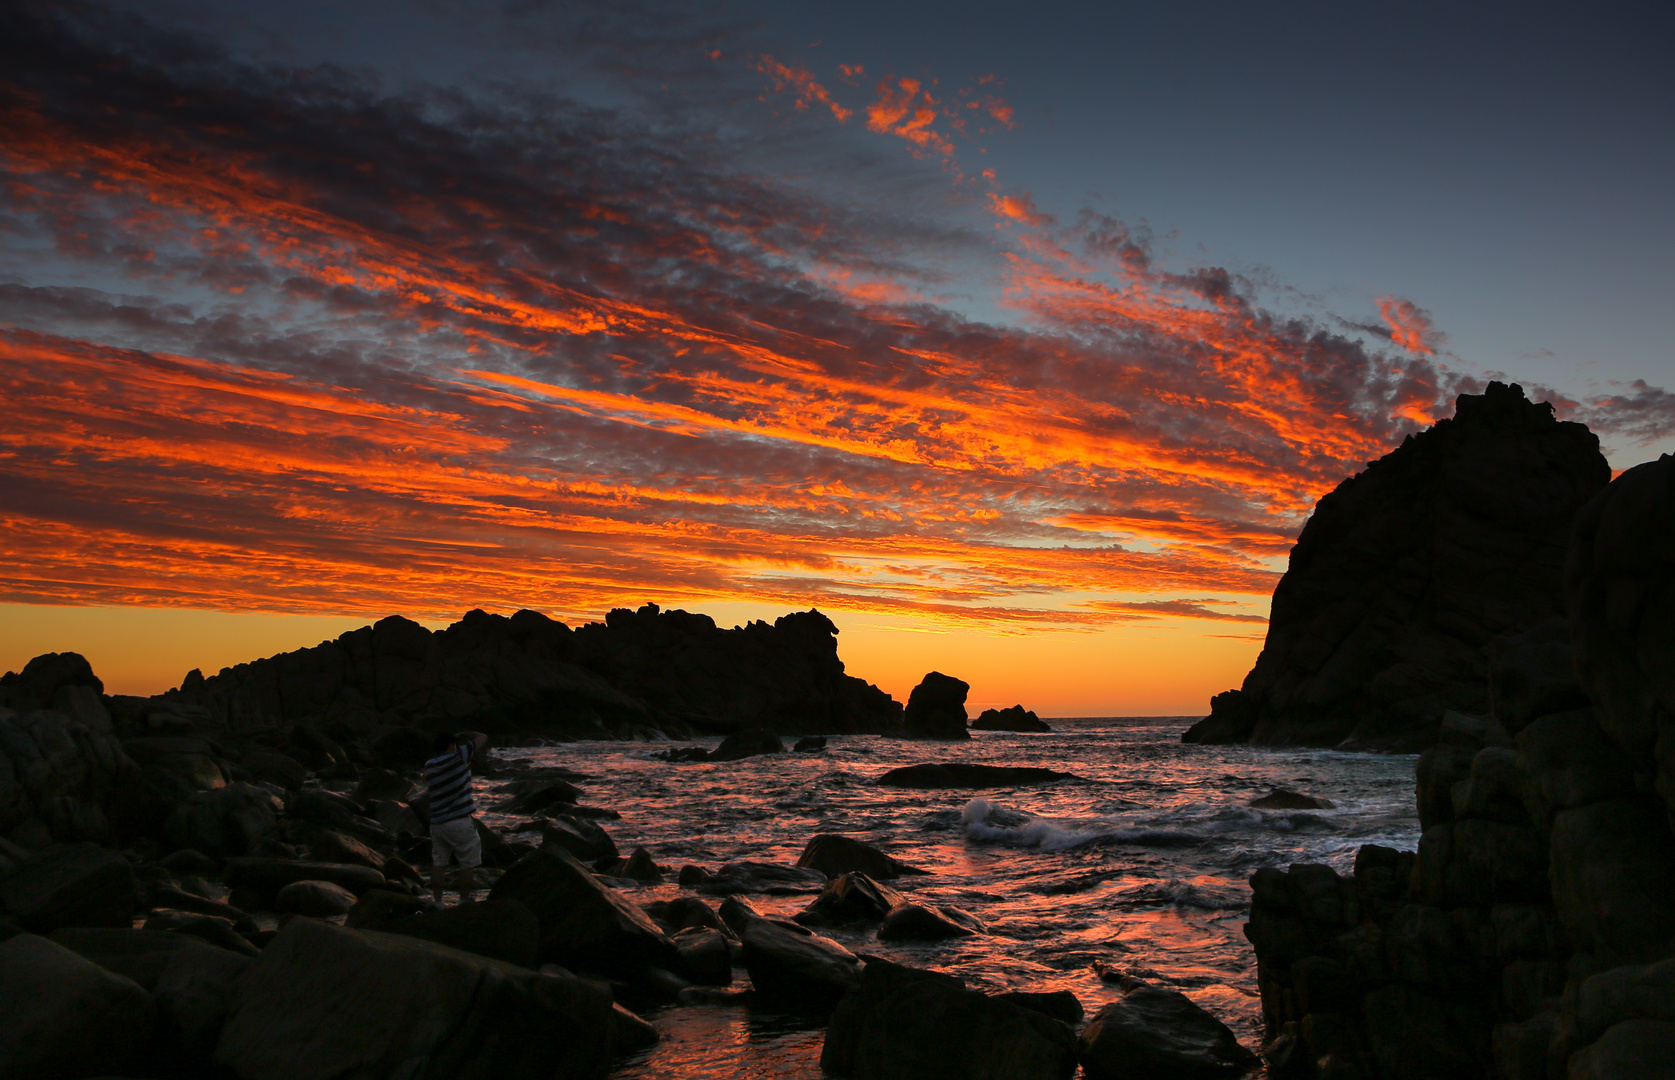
{"points": [[1017, 718], [49, 681], [684, 912], [63, 781], [1155, 1034], [585, 925], [936, 708], [832, 855], [584, 839], [1286, 799], [319, 899], [639, 866], [1613, 879], [192, 982], [1408, 572], [768, 879], [850, 898], [67, 1017], [213, 929], [1569, 762], [810, 744], [1061, 1005], [960, 774], [329, 845], [927, 922], [377, 783], [539, 796], [323, 1001], [500, 929], [1633, 1048], [1533, 674], [792, 968], [265, 877], [902, 1023], [705, 956], [72, 885], [228, 821], [273, 767], [748, 743]]}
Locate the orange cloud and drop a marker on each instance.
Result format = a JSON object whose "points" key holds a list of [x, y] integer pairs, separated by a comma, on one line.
{"points": [[1410, 326], [1019, 208], [807, 89]]}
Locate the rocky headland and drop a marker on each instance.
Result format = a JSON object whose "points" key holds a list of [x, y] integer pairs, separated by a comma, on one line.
{"points": [[1411, 574], [1532, 935]]}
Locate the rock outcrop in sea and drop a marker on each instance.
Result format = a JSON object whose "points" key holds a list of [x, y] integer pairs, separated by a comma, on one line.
{"points": [[1533, 934], [1410, 574], [638, 674]]}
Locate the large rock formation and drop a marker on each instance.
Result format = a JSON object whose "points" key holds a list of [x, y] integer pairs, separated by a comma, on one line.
{"points": [[637, 674], [1533, 933], [1408, 573]]}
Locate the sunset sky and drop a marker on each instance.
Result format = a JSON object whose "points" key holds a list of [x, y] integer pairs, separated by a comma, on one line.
{"points": [[1020, 339]]}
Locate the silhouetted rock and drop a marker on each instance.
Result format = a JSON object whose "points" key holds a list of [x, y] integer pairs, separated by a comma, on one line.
{"points": [[536, 796], [72, 885], [792, 968], [1408, 572], [227, 821], [61, 682], [585, 925], [316, 898], [832, 855], [936, 708], [322, 1000], [62, 780], [66, 1016], [810, 744], [1017, 718], [749, 743], [705, 957], [500, 929], [585, 840], [1154, 1034], [848, 899], [266, 876], [959, 774], [908, 921], [769, 879], [1286, 799], [902, 1023]]}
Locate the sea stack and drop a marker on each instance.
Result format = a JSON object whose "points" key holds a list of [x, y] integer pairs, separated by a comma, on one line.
{"points": [[1408, 574]]}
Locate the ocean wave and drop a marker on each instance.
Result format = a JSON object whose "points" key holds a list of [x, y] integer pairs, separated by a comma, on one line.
{"points": [[1188, 895], [989, 822]]}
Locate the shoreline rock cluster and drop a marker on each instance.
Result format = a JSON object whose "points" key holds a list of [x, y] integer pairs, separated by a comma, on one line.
{"points": [[1533, 933]]}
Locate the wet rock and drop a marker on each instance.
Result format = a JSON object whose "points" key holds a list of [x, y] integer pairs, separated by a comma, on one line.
{"points": [[850, 898], [324, 1001], [791, 967], [272, 767], [1017, 718], [832, 855], [685, 753], [396, 817], [66, 1016], [902, 1023], [580, 837], [705, 956], [72, 885], [1286, 799], [691, 876], [1154, 1034], [168, 896], [229, 821], [810, 745], [212, 929], [960, 774], [329, 845], [193, 982], [319, 899], [265, 876], [908, 921], [500, 929], [1407, 571], [539, 796], [684, 912], [376, 907], [769, 879], [748, 743], [936, 708], [585, 925], [639, 866], [189, 861], [1061, 1005]]}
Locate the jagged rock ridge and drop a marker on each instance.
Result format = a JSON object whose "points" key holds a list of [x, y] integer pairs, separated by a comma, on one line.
{"points": [[638, 674], [1408, 572]]}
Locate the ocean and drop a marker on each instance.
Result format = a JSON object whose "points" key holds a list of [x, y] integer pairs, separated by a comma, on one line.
{"points": [[1139, 865]]}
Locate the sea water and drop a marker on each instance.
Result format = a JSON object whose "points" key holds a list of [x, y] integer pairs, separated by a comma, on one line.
{"points": [[1139, 865]]}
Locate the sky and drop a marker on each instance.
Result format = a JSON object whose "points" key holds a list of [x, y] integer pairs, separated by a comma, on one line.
{"points": [[1019, 341]]}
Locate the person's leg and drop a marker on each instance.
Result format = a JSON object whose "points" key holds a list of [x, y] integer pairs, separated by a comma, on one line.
{"points": [[470, 857], [439, 852], [467, 882], [438, 873]]}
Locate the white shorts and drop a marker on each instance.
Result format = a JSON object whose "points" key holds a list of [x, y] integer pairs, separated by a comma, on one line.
{"points": [[458, 838]]}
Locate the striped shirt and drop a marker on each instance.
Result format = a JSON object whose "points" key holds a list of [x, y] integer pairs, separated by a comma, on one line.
{"points": [[448, 778]]}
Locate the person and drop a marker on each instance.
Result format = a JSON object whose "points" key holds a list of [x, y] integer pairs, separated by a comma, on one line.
{"points": [[453, 830]]}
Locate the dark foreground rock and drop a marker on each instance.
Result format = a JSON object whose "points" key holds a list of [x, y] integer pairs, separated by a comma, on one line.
{"points": [[324, 1001], [749, 743], [767, 879], [791, 968], [849, 899], [1533, 933], [500, 929], [832, 855], [936, 708], [72, 885], [1017, 718], [902, 1023], [65, 1016], [1408, 573], [909, 921], [1154, 1034], [585, 925], [959, 774], [1286, 799]]}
